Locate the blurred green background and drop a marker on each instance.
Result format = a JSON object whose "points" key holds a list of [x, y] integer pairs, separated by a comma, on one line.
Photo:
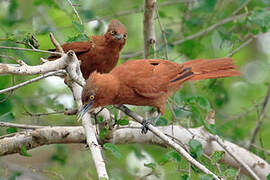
{"points": [[237, 100]]}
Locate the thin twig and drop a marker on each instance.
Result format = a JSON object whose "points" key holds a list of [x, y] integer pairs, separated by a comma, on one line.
{"points": [[56, 44], [237, 159], [259, 122], [139, 10], [209, 29], [42, 114], [8, 57], [241, 7], [168, 141], [247, 42], [22, 126], [260, 148], [76, 12], [33, 50], [163, 32], [30, 81]]}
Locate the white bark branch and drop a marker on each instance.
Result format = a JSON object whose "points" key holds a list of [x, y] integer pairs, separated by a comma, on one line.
{"points": [[236, 158], [90, 133], [168, 141], [25, 69], [76, 134], [149, 26]]}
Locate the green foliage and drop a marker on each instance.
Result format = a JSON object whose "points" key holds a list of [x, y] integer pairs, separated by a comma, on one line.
{"points": [[184, 177], [11, 130], [60, 155], [217, 156], [20, 19], [207, 6], [7, 117], [79, 37], [113, 149], [14, 175], [122, 122], [230, 173], [23, 151], [79, 27], [171, 155], [268, 176], [162, 121], [104, 132], [152, 166], [196, 149], [261, 18], [206, 177]]}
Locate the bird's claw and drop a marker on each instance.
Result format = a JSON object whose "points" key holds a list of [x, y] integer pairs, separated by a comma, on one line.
{"points": [[145, 128]]}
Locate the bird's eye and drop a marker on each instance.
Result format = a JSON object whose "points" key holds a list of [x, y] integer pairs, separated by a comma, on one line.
{"points": [[92, 97], [113, 32], [125, 36]]}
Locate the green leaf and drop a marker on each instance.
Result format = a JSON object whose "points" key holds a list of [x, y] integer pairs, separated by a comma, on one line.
{"points": [[206, 177], [50, 3], [162, 121], [268, 177], [123, 122], [60, 155], [11, 130], [171, 155], [14, 175], [24, 152], [103, 133], [113, 149], [209, 127], [79, 37], [200, 101], [162, 14], [78, 26], [100, 119], [196, 149], [207, 6], [230, 173], [217, 156], [87, 14], [261, 18], [153, 166], [7, 117], [184, 177], [216, 40]]}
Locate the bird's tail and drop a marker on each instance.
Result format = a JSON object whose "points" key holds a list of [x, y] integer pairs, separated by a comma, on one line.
{"points": [[208, 69]]}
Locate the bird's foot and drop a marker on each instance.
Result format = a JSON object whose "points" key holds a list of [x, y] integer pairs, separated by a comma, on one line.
{"points": [[145, 124]]}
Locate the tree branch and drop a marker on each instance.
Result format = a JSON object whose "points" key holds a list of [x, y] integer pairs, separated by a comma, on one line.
{"points": [[209, 29], [33, 50], [259, 122], [149, 27], [90, 133], [162, 32], [76, 12], [127, 134], [31, 81], [168, 141]]}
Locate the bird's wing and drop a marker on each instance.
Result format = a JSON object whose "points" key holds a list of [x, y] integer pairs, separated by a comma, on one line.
{"points": [[77, 47], [148, 78]]}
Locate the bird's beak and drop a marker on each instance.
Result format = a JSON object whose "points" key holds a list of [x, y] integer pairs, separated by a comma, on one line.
{"points": [[118, 36], [84, 110]]}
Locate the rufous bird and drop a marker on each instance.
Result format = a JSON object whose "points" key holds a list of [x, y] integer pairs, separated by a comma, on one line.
{"points": [[149, 82], [101, 54]]}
